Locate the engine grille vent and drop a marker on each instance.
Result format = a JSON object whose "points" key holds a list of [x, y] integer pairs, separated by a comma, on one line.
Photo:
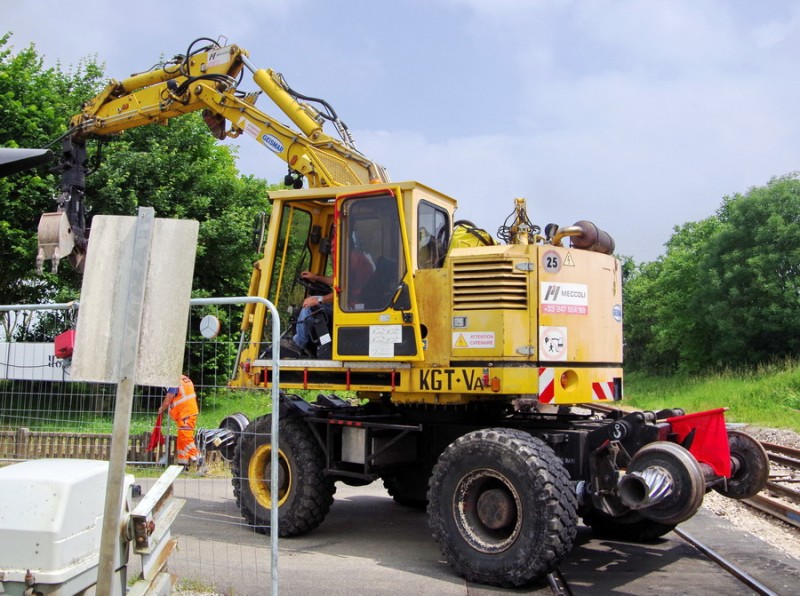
{"points": [[489, 284]]}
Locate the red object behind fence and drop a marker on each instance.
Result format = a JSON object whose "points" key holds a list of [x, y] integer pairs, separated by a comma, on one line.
{"points": [[64, 344], [156, 438]]}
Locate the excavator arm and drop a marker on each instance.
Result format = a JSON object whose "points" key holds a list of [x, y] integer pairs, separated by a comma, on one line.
{"points": [[205, 79]]}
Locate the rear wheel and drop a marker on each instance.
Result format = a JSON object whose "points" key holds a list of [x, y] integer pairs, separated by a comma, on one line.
{"points": [[305, 495], [502, 507]]}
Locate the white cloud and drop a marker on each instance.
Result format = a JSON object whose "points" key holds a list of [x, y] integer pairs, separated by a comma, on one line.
{"points": [[638, 115]]}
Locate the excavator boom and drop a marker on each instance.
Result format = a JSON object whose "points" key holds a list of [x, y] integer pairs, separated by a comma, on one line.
{"points": [[205, 79]]}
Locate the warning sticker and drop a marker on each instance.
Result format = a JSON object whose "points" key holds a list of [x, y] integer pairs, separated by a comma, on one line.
{"points": [[473, 339], [250, 128], [551, 261], [553, 343]]}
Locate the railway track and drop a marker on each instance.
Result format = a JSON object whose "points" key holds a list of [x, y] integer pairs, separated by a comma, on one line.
{"points": [[780, 498], [720, 561], [560, 586]]}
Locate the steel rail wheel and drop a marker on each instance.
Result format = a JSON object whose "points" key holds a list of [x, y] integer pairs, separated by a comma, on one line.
{"points": [[502, 507], [749, 467], [305, 495], [685, 486]]}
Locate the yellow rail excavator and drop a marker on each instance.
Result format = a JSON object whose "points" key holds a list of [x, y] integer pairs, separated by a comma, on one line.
{"points": [[476, 363]]}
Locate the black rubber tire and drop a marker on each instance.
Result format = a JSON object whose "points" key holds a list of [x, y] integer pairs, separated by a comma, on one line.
{"points": [[753, 467], [408, 488], [630, 527], [306, 495], [502, 507]]}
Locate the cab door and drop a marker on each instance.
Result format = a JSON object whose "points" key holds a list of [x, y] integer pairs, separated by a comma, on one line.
{"points": [[375, 309]]}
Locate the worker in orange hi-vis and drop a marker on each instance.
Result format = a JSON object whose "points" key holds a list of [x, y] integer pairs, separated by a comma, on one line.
{"points": [[182, 405]]}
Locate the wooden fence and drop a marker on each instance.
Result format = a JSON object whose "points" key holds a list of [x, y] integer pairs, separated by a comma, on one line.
{"points": [[24, 444]]}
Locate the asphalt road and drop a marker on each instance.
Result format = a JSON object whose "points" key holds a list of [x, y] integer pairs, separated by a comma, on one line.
{"points": [[370, 545]]}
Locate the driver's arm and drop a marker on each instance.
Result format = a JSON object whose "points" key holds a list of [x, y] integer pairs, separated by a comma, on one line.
{"points": [[326, 279], [315, 300]]}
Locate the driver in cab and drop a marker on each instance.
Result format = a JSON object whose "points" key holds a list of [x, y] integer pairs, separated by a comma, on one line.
{"points": [[361, 268], [302, 336]]}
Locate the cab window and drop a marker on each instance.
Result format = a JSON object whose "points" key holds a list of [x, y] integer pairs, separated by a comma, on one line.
{"points": [[372, 260], [292, 257], [433, 235]]}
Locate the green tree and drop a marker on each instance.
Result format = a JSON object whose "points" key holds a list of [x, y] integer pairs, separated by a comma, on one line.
{"points": [[182, 172], [681, 331], [752, 288], [35, 103], [639, 301], [178, 169], [726, 293]]}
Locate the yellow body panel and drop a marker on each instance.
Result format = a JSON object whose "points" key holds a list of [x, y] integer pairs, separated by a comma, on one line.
{"points": [[497, 323]]}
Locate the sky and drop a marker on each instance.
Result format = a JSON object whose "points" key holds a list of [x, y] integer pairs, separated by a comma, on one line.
{"points": [[637, 115]]}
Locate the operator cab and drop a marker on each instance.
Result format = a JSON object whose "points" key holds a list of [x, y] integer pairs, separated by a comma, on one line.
{"points": [[372, 240]]}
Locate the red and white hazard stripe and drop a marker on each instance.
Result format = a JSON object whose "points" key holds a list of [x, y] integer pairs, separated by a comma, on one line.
{"points": [[547, 385], [603, 391]]}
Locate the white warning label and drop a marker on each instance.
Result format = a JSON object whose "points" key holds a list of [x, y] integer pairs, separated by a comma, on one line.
{"points": [[252, 129], [473, 339], [553, 343]]}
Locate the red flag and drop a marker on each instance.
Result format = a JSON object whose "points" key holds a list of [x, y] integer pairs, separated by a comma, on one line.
{"points": [[156, 438], [710, 441]]}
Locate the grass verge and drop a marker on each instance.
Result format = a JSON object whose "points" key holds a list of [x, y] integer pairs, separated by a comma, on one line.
{"points": [[768, 396]]}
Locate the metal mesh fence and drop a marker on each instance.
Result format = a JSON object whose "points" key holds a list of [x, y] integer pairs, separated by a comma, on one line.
{"points": [[46, 414]]}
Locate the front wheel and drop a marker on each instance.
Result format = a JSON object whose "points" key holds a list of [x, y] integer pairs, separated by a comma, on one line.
{"points": [[502, 507], [305, 495]]}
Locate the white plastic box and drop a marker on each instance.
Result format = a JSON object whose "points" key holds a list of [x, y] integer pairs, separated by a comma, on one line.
{"points": [[51, 519]]}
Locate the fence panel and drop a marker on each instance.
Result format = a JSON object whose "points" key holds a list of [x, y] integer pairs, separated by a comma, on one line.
{"points": [[45, 414]]}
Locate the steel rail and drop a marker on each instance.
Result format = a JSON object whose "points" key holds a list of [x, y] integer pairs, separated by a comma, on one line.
{"points": [[765, 501], [777, 509], [791, 452], [558, 585], [783, 491], [727, 565]]}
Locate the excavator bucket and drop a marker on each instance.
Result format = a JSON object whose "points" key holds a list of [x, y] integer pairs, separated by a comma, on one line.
{"points": [[56, 240], [63, 233]]}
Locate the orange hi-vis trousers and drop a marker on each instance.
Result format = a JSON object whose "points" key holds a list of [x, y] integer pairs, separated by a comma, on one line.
{"points": [[183, 410]]}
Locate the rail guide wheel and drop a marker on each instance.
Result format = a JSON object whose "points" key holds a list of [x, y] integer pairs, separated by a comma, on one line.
{"points": [[749, 467], [680, 485], [502, 507]]}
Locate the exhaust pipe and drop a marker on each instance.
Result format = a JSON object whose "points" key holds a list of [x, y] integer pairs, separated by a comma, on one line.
{"points": [[585, 235]]}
